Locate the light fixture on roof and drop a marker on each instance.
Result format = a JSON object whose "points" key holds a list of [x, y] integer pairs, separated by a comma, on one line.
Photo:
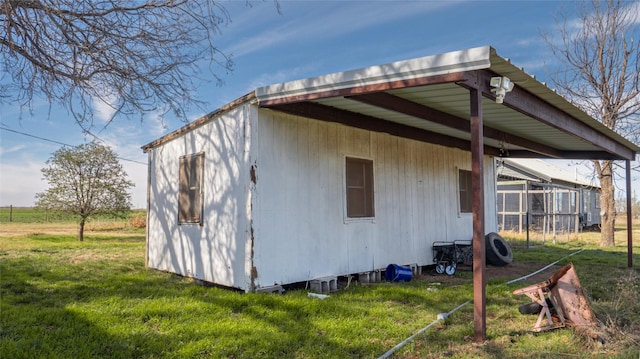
{"points": [[501, 85]]}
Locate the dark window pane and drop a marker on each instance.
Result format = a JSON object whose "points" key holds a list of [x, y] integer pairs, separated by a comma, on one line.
{"points": [[359, 186], [464, 181], [190, 183]]}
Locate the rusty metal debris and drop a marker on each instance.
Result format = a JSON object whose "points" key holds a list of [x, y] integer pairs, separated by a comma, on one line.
{"points": [[562, 301]]}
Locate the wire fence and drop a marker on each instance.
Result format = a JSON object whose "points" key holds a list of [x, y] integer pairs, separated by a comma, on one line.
{"points": [[10, 214], [31, 215]]}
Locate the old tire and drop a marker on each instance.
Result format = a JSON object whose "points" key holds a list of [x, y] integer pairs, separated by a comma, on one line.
{"points": [[535, 308], [497, 250], [530, 308]]}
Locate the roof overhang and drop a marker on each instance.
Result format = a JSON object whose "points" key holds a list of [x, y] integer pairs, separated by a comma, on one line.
{"points": [[427, 99], [542, 171]]}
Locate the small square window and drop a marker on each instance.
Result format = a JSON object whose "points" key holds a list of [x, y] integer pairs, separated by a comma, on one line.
{"points": [[359, 186], [464, 188]]}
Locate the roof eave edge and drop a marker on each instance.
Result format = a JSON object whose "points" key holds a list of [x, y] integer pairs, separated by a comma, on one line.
{"points": [[200, 121], [451, 62]]}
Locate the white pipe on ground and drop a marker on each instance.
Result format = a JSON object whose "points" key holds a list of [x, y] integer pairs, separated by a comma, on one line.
{"points": [[443, 316]]}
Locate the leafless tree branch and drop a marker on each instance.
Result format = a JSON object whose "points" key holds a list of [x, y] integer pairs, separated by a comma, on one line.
{"points": [[137, 57], [600, 73]]}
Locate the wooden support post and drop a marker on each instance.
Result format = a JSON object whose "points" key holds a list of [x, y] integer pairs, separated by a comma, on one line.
{"points": [[629, 218], [477, 186]]}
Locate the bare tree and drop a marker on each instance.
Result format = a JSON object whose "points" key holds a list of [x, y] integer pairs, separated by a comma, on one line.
{"points": [[600, 73], [85, 181], [134, 56]]}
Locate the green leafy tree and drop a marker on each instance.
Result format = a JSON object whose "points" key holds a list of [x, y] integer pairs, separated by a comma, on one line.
{"points": [[85, 181], [600, 73]]}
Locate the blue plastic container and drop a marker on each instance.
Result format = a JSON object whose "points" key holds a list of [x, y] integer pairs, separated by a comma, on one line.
{"points": [[396, 273]]}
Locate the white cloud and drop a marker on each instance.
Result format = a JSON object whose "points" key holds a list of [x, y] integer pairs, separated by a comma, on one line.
{"points": [[104, 104], [266, 79], [103, 110], [335, 21], [137, 173], [634, 11], [155, 125], [5, 151], [19, 183]]}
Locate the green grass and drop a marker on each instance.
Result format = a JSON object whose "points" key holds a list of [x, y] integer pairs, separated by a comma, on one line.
{"points": [[66, 299], [36, 215]]}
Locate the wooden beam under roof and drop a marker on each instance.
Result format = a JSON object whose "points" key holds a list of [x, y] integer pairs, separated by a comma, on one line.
{"points": [[353, 119], [572, 155], [530, 105], [407, 107]]}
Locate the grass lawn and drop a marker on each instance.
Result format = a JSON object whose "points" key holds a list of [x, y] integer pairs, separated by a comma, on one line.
{"points": [[66, 299]]}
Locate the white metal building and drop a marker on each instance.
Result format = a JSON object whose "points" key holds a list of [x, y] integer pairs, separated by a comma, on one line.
{"points": [[355, 170]]}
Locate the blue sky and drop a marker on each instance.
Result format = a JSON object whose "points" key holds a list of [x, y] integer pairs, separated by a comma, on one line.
{"points": [[308, 38]]}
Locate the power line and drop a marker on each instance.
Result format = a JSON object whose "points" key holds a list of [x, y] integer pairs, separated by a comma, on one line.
{"points": [[60, 143], [34, 136]]}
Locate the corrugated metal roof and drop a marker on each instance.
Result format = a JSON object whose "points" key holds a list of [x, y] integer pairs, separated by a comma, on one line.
{"points": [[519, 77], [441, 84], [542, 170], [451, 98], [457, 61]]}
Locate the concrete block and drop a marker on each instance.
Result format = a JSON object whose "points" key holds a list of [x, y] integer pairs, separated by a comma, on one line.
{"points": [[415, 269], [271, 289], [364, 277], [324, 285]]}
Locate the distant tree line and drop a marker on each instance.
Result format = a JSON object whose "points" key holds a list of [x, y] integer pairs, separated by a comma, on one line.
{"points": [[621, 206], [19, 214]]}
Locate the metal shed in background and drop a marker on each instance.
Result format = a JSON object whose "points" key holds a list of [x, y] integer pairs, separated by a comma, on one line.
{"points": [[534, 195]]}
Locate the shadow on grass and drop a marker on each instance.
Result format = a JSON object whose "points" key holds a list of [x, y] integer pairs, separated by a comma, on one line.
{"points": [[103, 309], [117, 308]]}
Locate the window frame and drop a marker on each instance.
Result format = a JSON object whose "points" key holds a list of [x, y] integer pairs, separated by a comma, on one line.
{"points": [[193, 191], [367, 187], [468, 190]]}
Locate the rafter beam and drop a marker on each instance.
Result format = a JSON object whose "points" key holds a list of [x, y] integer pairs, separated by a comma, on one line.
{"points": [[532, 106], [357, 120], [574, 155], [407, 107]]}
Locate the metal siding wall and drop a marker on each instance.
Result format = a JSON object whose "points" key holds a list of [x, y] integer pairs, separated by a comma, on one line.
{"points": [[300, 220], [216, 251]]}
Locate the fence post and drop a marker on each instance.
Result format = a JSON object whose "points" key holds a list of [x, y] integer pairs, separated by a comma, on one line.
{"points": [[10, 213], [527, 204]]}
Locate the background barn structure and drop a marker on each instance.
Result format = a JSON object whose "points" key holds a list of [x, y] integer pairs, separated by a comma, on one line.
{"points": [[534, 195]]}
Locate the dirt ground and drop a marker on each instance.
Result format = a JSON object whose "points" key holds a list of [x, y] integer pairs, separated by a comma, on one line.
{"points": [[509, 272]]}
